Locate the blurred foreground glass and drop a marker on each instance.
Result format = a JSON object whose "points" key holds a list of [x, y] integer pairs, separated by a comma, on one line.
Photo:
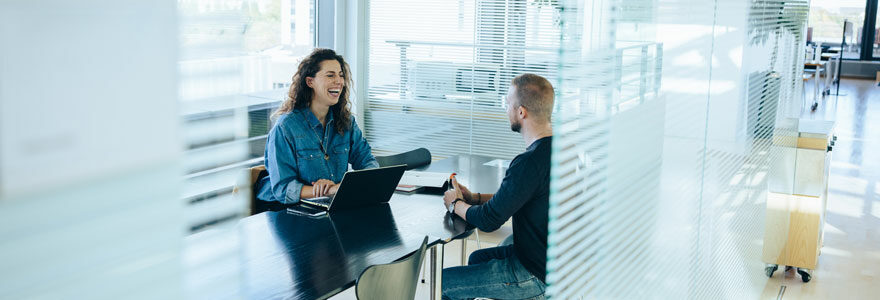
{"points": [[664, 133], [237, 59], [89, 151]]}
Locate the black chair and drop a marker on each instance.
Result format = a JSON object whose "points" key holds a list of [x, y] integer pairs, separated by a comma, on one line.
{"points": [[412, 159]]}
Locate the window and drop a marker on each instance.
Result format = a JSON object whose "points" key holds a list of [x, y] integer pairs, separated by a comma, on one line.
{"points": [[236, 62], [438, 71], [875, 43], [246, 46], [826, 20]]}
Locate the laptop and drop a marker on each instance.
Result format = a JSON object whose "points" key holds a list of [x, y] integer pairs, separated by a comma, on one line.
{"points": [[357, 189]]}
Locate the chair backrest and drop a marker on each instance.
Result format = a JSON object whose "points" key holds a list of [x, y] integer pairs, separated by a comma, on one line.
{"points": [[412, 159], [397, 280], [255, 174]]}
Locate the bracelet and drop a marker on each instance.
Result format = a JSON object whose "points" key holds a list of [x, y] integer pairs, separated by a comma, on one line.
{"points": [[452, 205], [479, 198]]}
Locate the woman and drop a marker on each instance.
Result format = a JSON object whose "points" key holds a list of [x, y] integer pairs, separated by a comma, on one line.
{"points": [[315, 136]]}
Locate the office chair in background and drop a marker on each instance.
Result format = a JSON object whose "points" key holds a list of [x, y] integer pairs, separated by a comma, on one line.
{"points": [[397, 280], [412, 159]]}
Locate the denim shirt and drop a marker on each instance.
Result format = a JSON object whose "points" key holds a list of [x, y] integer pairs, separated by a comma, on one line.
{"points": [[294, 156]]}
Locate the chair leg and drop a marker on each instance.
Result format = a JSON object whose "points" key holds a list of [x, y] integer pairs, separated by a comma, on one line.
{"points": [[477, 236], [464, 251], [803, 96], [424, 269], [436, 271], [815, 90], [464, 247]]}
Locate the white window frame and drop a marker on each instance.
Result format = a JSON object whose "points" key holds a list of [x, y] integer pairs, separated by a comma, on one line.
{"points": [[344, 26]]}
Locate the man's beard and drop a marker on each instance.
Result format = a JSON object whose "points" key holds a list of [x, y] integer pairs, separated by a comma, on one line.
{"points": [[515, 127]]}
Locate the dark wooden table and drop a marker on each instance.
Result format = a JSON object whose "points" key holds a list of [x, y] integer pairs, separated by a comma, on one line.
{"points": [[289, 256]]}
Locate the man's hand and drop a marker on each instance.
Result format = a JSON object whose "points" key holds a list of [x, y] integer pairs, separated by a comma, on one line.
{"points": [[322, 187], [466, 194], [450, 196], [456, 193]]}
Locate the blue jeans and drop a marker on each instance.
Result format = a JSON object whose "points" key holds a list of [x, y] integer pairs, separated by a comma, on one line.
{"points": [[492, 273]]}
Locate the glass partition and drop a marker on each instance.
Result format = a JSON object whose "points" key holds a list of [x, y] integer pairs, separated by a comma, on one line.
{"points": [[670, 116]]}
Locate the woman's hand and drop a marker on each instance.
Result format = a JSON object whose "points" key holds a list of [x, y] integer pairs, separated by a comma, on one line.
{"points": [[333, 189], [322, 187]]}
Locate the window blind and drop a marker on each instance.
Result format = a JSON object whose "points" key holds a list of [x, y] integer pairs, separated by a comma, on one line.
{"points": [[660, 167], [438, 70]]}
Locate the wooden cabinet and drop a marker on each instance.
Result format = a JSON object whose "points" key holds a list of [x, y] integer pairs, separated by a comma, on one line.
{"points": [[796, 202], [793, 232]]}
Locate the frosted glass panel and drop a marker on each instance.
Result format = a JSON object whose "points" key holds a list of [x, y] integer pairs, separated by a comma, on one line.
{"points": [[89, 151], [669, 116]]}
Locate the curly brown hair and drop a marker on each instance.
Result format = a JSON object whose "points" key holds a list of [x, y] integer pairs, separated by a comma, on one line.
{"points": [[300, 94]]}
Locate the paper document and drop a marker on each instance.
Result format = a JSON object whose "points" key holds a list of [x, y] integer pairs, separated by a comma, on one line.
{"points": [[429, 179], [407, 188], [501, 163]]}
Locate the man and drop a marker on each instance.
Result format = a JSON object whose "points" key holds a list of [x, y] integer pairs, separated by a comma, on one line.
{"points": [[518, 270]]}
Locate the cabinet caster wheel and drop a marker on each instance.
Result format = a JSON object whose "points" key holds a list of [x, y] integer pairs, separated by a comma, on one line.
{"points": [[805, 274], [770, 269]]}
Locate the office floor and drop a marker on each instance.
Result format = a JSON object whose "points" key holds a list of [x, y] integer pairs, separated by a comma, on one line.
{"points": [[849, 264]]}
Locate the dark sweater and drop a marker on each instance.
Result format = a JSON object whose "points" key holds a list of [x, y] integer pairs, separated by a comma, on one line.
{"points": [[524, 194]]}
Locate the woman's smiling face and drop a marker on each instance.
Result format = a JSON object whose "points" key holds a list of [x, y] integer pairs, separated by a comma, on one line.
{"points": [[327, 83]]}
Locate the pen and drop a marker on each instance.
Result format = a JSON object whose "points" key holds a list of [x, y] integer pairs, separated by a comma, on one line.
{"points": [[449, 182]]}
